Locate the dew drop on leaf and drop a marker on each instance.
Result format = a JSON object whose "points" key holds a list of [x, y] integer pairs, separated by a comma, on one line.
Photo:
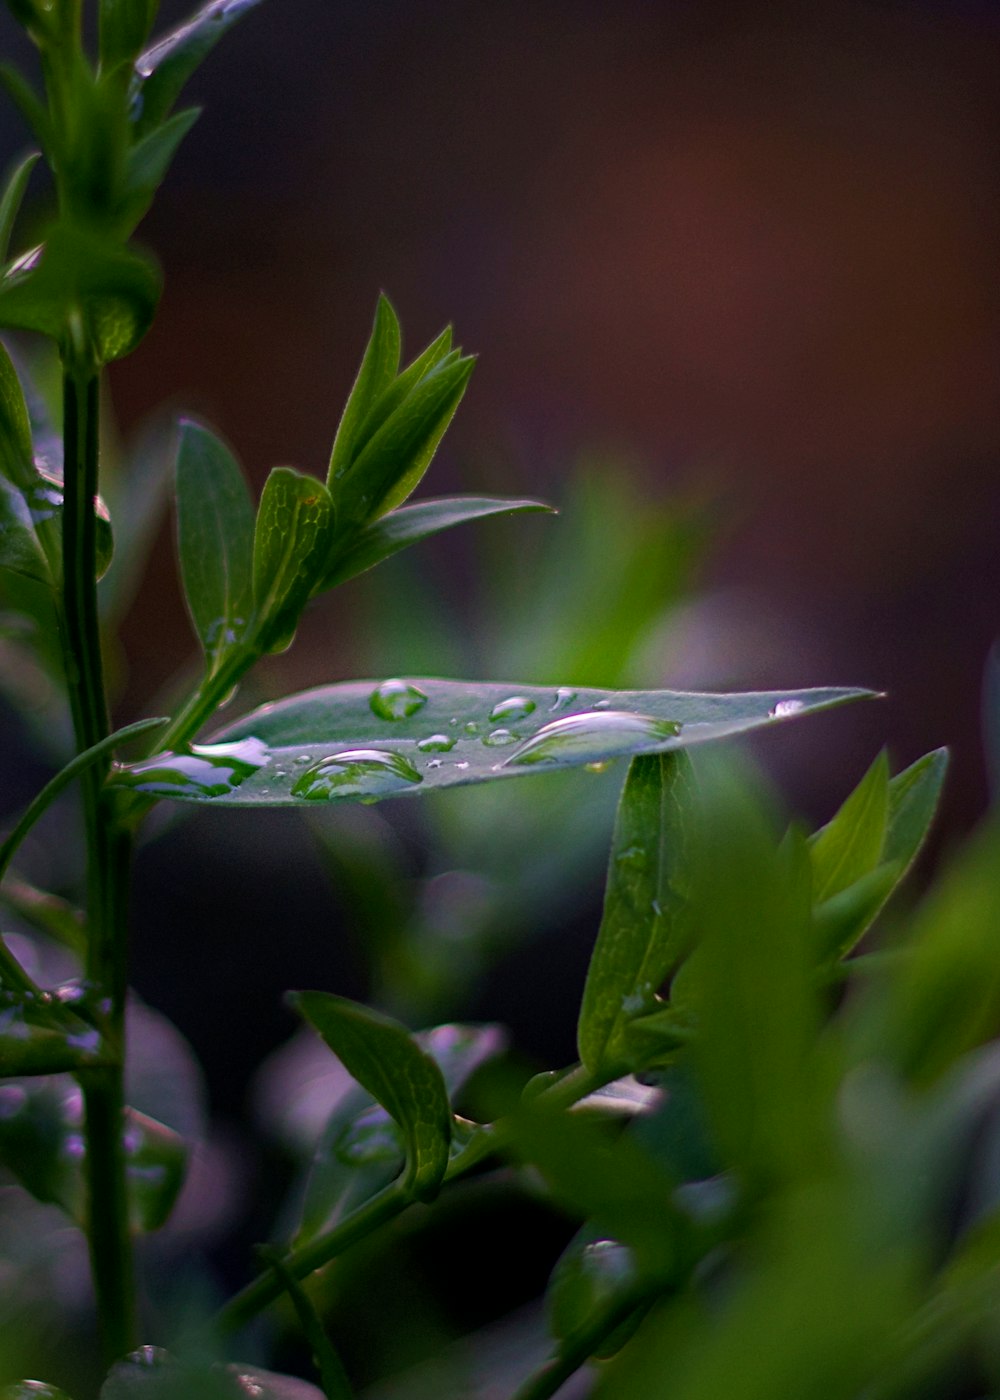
{"points": [[396, 699], [202, 770], [784, 708], [364, 773], [564, 698], [497, 738], [517, 707], [593, 735], [436, 743]]}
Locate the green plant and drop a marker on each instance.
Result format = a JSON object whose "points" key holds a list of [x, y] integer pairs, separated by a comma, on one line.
{"points": [[788, 1086]]}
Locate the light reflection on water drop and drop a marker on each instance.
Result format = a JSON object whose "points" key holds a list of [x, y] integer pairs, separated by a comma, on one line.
{"points": [[498, 738], [564, 698], [517, 707], [396, 699], [593, 736], [364, 773], [437, 743], [784, 708], [203, 770]]}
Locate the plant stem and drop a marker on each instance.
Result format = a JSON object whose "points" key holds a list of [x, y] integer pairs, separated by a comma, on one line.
{"points": [[578, 1348], [108, 860]]}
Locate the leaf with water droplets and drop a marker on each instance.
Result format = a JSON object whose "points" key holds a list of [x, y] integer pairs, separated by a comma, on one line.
{"points": [[290, 542], [566, 729], [385, 1059], [645, 928], [215, 539], [409, 524]]}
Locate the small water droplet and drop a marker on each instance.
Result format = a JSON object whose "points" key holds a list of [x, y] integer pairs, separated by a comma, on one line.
{"points": [[564, 698], [601, 704], [434, 763], [396, 699], [203, 770], [593, 736], [517, 707], [436, 743], [365, 773], [302, 758], [787, 707], [471, 727], [601, 767], [461, 765], [498, 738]]}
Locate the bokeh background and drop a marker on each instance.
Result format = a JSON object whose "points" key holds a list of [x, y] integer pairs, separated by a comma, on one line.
{"points": [[731, 272]]}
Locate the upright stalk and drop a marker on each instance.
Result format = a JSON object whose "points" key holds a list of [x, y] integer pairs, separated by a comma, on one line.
{"points": [[108, 859]]}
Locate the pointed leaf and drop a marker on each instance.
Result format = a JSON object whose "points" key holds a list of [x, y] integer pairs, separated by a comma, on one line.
{"points": [[28, 103], [163, 69], [215, 537], [646, 924], [16, 453], [850, 845], [913, 800], [12, 198], [378, 370], [405, 526], [149, 160], [291, 539], [124, 28], [383, 1057], [363, 740], [437, 353], [20, 549]]}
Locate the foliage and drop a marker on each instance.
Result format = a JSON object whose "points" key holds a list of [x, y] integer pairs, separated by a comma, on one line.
{"points": [[764, 1146]]}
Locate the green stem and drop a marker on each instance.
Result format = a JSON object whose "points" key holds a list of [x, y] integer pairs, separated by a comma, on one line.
{"points": [[108, 860], [578, 1348]]}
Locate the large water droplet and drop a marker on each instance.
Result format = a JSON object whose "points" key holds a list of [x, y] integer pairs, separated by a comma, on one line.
{"points": [[564, 698], [517, 707], [437, 743], [365, 773], [497, 738], [593, 736], [784, 708], [396, 700], [203, 770]]}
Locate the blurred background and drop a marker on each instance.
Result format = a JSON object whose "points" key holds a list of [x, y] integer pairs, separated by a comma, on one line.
{"points": [[731, 273]]}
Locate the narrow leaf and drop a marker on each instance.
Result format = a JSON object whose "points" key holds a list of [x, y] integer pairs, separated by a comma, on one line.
{"points": [[124, 27], [215, 537], [913, 800], [149, 160], [28, 103], [382, 1056], [645, 926], [411, 523], [333, 1377], [16, 456], [850, 845], [378, 369], [291, 539], [437, 353], [164, 68], [12, 198]]}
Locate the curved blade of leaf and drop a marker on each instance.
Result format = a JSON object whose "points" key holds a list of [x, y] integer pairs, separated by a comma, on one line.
{"points": [[438, 352], [215, 538], [383, 1057], [850, 845], [16, 453], [644, 929], [434, 734], [378, 369], [12, 198], [124, 27], [164, 68], [149, 160], [28, 103], [290, 541], [405, 526]]}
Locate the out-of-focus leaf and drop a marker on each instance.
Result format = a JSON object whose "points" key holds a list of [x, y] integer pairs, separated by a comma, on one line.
{"points": [[12, 199], [841, 920], [590, 1274], [32, 1390], [364, 740], [378, 369], [78, 276], [336, 1385], [850, 845], [28, 103], [155, 1165], [645, 927], [149, 160], [215, 534], [124, 28], [16, 453], [162, 70], [289, 545], [405, 526], [20, 550], [913, 799], [384, 1058], [153, 1374], [41, 1039]]}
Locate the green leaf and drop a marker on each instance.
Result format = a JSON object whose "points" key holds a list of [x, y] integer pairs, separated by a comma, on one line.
{"points": [[382, 1056], [842, 920], [31, 1390], [336, 1385], [16, 453], [646, 925], [156, 1159], [215, 538], [149, 160], [405, 526], [850, 845], [12, 198], [378, 370], [162, 70], [28, 103], [913, 800], [40, 1039], [290, 543], [439, 352], [20, 549], [589, 1276], [124, 27], [82, 285], [422, 735], [394, 459]]}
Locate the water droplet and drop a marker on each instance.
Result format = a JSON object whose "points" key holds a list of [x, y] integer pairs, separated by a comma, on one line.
{"points": [[593, 736], [461, 765], [601, 704], [601, 767], [302, 758], [564, 698], [517, 707], [365, 773], [434, 763], [203, 770], [498, 738], [396, 700], [436, 743], [787, 707], [471, 727], [636, 857]]}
